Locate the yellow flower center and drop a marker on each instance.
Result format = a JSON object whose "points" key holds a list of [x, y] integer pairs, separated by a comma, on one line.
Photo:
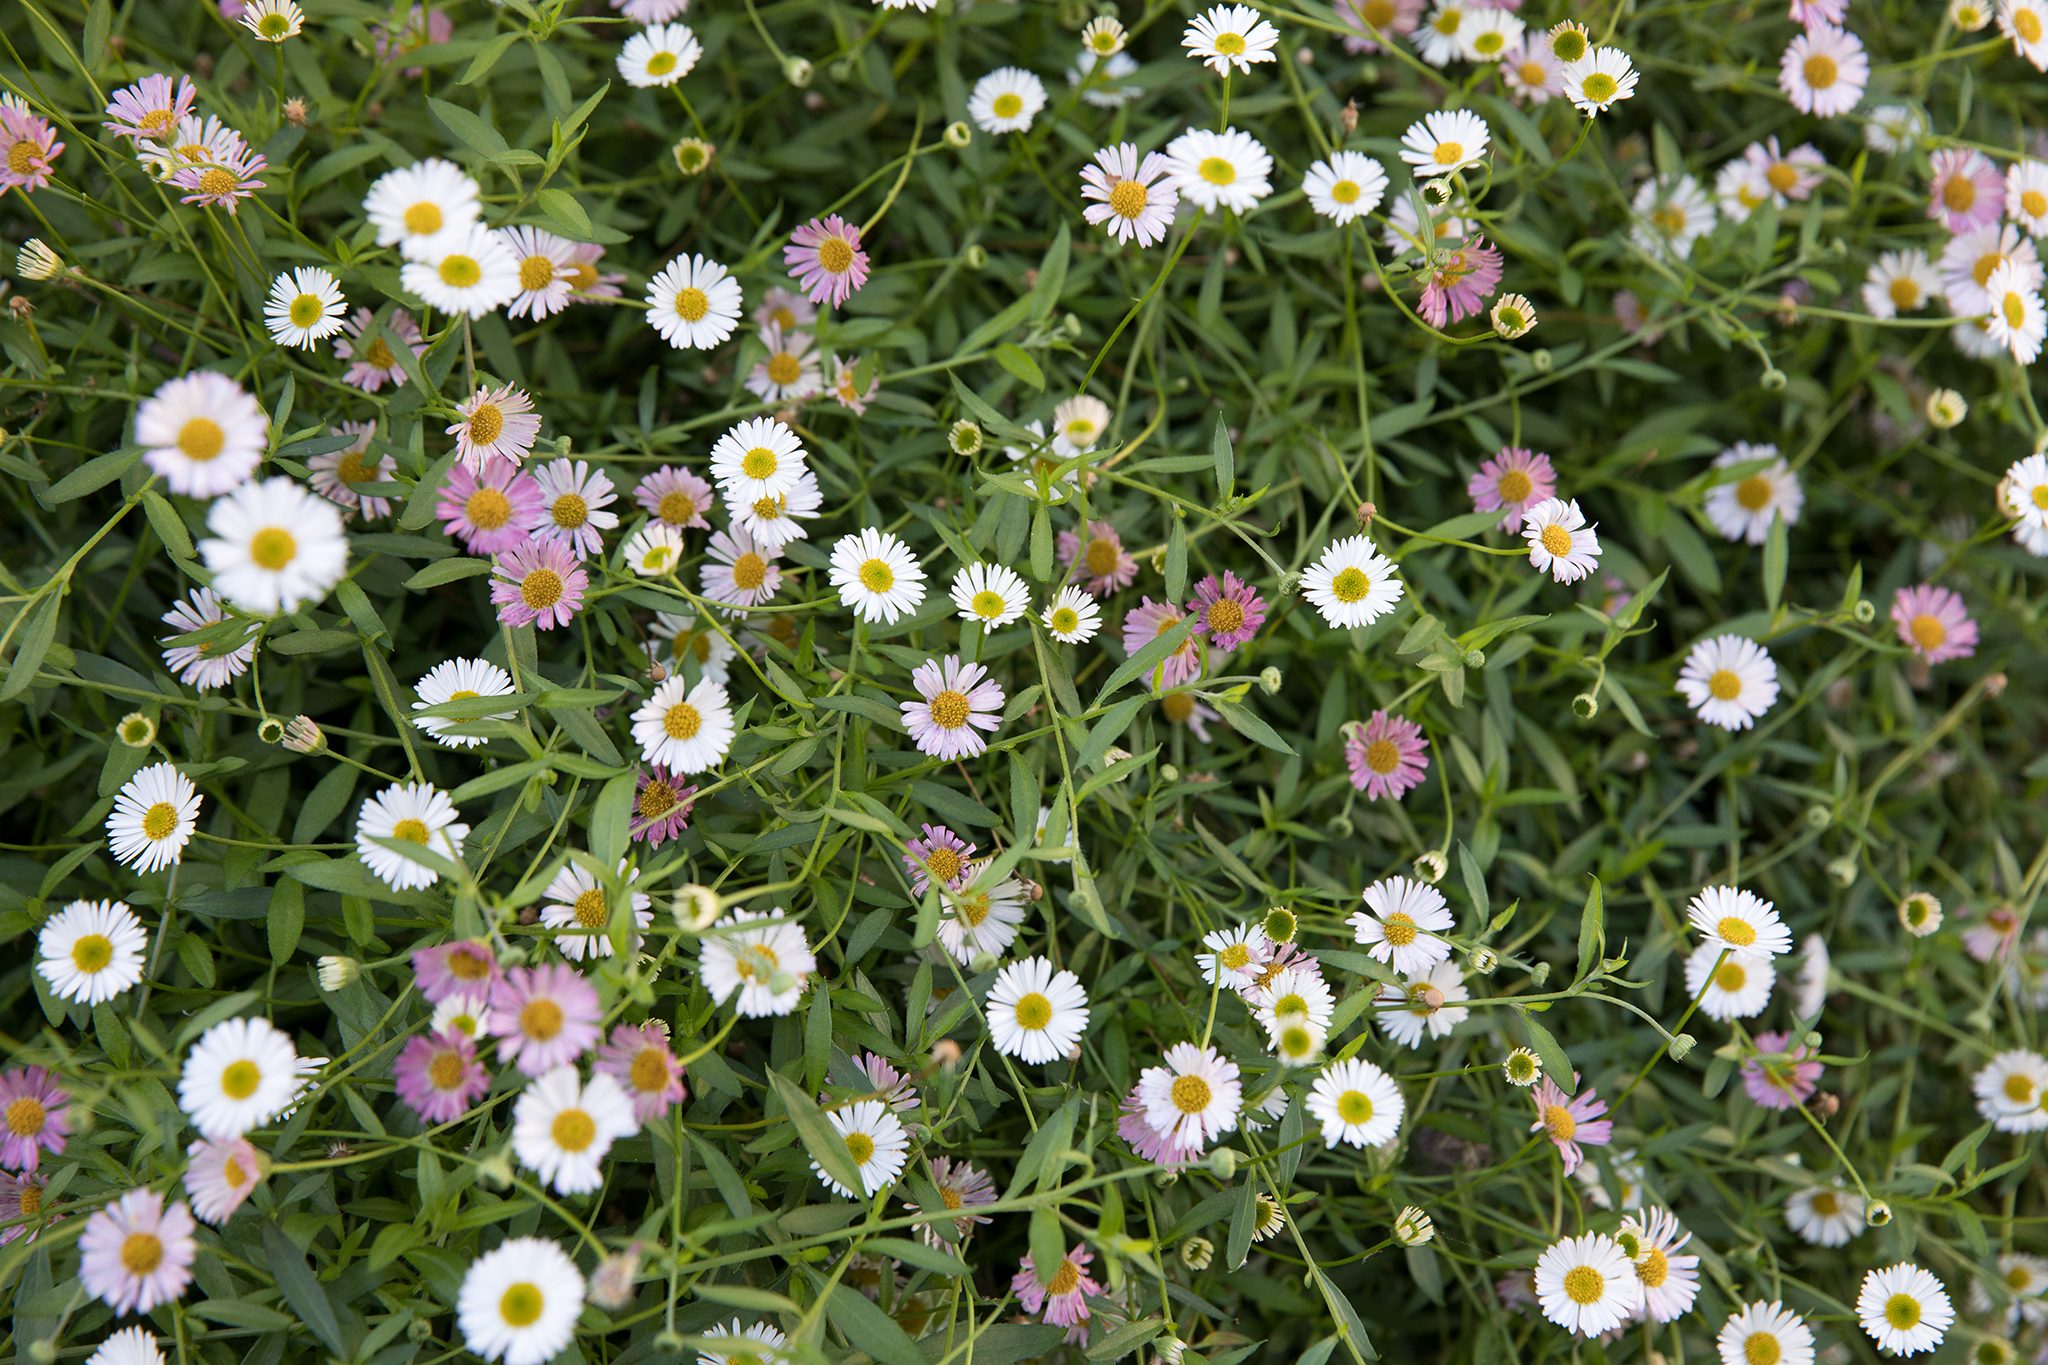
{"points": [[749, 571], [650, 1072], [657, 800], [541, 589], [1127, 199], [1724, 685], [238, 1081], [159, 820], [1217, 171], [1230, 44], [1927, 632], [423, 219], [1556, 540], [216, 181], [1669, 219], [1102, 556], [521, 1305], [1599, 87], [877, 576], [487, 509], [949, 709], [486, 424], [2027, 25], [1559, 1123], [201, 439], [1959, 193], [1034, 1011], [950, 1197], [683, 721], [1191, 1094], [1515, 486], [1066, 620], [2015, 307], [692, 304], [1065, 1280], [1902, 1311], [784, 368], [461, 272], [272, 548], [661, 63], [756, 962], [92, 953], [1762, 1349], [1399, 929], [759, 463], [590, 909], [536, 273], [31, 1199], [676, 508], [1753, 493], [860, 1147], [1007, 105], [1350, 585], [541, 1020], [25, 1117], [1738, 933], [1731, 976], [1827, 1203], [835, 254], [379, 355], [573, 1130], [1583, 1284], [445, 1071], [1225, 616], [570, 511], [2034, 203], [355, 467], [155, 121], [988, 604], [306, 310], [141, 1253], [944, 863], [1820, 71], [1655, 1269], [2019, 1089], [1449, 153], [1354, 1107], [1383, 756]]}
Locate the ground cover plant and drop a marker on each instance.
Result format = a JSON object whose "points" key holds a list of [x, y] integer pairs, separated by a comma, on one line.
{"points": [[962, 681]]}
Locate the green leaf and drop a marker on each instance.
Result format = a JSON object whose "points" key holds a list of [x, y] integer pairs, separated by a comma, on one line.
{"points": [[1041, 1160], [1244, 1221], [867, 1326], [169, 527], [1146, 659], [1225, 457], [1242, 720], [611, 820], [1052, 276], [286, 1265], [99, 21], [287, 918], [819, 1137], [31, 646], [470, 130], [1776, 553], [1548, 1051], [1048, 1243], [1177, 560], [448, 571], [97, 472], [1592, 931], [1018, 362]]}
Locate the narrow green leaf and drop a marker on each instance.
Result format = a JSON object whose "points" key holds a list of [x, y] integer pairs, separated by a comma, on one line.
{"points": [[1018, 362], [819, 1137], [286, 920], [1592, 931]]}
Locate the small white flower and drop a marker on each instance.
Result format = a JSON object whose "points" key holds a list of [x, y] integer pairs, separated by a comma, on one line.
{"points": [[2026, 196], [990, 593], [415, 204], [1825, 1216], [275, 546], [1193, 1098], [273, 21], [1561, 542], [876, 1143], [1765, 1331], [468, 271], [2025, 22], [1671, 217], [92, 951], [563, 1127], [1228, 36], [1006, 100], [1904, 1310], [659, 55], [1587, 1285], [764, 960], [1034, 1013], [678, 638], [1072, 617], [1599, 80], [654, 550], [2012, 1091], [238, 1076], [1345, 186], [1737, 988], [1488, 35], [305, 306], [129, 1346], [1134, 196], [1077, 424], [153, 818], [2017, 320], [1226, 170], [519, 1303], [1426, 1003], [1401, 922], [1445, 140], [1353, 584], [683, 728], [1356, 1103], [759, 458], [1743, 509], [1729, 681], [414, 813], [877, 576], [2026, 491], [1745, 924], [459, 680], [578, 911], [694, 303], [203, 433], [1900, 282], [1669, 1278]]}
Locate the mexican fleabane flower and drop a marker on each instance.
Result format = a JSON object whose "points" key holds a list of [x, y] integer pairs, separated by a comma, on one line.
{"points": [[1344, 186], [1356, 1103], [761, 962], [1587, 1285], [202, 433], [91, 951], [685, 728], [495, 424], [417, 813], [1823, 71], [826, 259], [1353, 584], [136, 1253], [1729, 681], [1036, 1014], [956, 701], [1193, 1097], [1443, 141], [659, 55], [466, 271], [1561, 541], [1227, 37], [876, 1143], [1570, 1122], [1904, 1309], [562, 1128], [519, 1302], [693, 302], [1933, 623], [275, 546], [1006, 100], [154, 815], [238, 1076], [1128, 195], [1226, 170], [304, 306], [877, 576], [1387, 756], [543, 1017], [539, 583]]}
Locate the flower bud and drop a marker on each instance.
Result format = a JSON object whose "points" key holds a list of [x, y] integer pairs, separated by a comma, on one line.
{"points": [[495, 1171], [1197, 1252], [1279, 924], [1413, 1228], [1771, 380], [964, 438], [270, 730], [136, 730], [1819, 816], [302, 736], [1539, 974], [693, 156], [1223, 1163], [1946, 409], [1521, 1067], [43, 1350], [695, 908], [669, 1344], [1842, 871], [1348, 119], [798, 72], [1104, 36], [1540, 360], [338, 972], [1431, 866], [1269, 678], [1920, 914], [611, 1284], [1877, 1213], [35, 260], [1484, 961], [1865, 611], [1169, 774], [958, 135], [1681, 1046], [1513, 316], [975, 257]]}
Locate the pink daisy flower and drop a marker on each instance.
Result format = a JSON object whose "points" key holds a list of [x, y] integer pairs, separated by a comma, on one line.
{"points": [[465, 967], [578, 505], [1513, 481], [784, 308], [1062, 1299], [439, 1077], [825, 258], [21, 1204], [937, 853], [1388, 756], [1231, 612], [960, 1186], [1791, 175], [1967, 190], [639, 1058], [28, 144], [1571, 1121], [1933, 623], [1147, 622], [1993, 936], [586, 282], [1393, 19], [1460, 286], [1185, 708], [374, 364], [661, 805], [538, 583], [1811, 12], [495, 423], [150, 108], [1099, 561], [891, 1086], [543, 1017], [1145, 1141], [224, 180], [489, 510], [957, 701], [32, 1117], [678, 497], [1777, 1076], [219, 1176], [335, 474], [135, 1254]]}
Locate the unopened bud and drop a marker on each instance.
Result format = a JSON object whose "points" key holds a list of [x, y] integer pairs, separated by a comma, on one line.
{"points": [[958, 135], [975, 257], [1364, 514], [338, 972], [693, 156], [1586, 705], [1842, 871], [270, 730], [1348, 120], [1269, 678], [1431, 866], [611, 1284], [1877, 1213], [945, 1054], [1681, 1046], [1485, 961], [695, 908], [964, 438], [1223, 1163], [798, 72], [1946, 409], [136, 730], [1197, 1252], [1279, 924], [302, 736], [1413, 1228]]}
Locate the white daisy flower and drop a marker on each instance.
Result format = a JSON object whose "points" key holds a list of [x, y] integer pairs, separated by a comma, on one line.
{"points": [[416, 203], [1443, 141], [1193, 1098], [153, 818], [1133, 196], [1006, 100], [761, 1332], [1235, 956], [2026, 195], [1488, 35], [694, 303], [1105, 81], [1823, 71], [1900, 282], [547, 272], [2012, 1091], [1034, 1013], [877, 576], [1400, 923], [1729, 681], [775, 522], [1293, 993], [1597, 82], [1971, 258], [1765, 1331], [763, 959], [659, 55], [577, 502], [1297, 1040], [1904, 1310], [2025, 23], [1825, 1216], [1893, 128], [461, 1013], [562, 1127], [305, 306], [2026, 490], [789, 372], [273, 21], [1356, 1103], [1743, 509], [577, 906], [681, 637], [1737, 988], [129, 1346], [1426, 1003], [1226, 170], [1437, 37], [1670, 1280], [875, 1140], [92, 951], [1077, 424], [1561, 542], [759, 458], [1229, 36], [1740, 921], [468, 271], [977, 919], [202, 433], [990, 593], [519, 1303], [1072, 617], [1811, 984], [414, 813], [1345, 186], [654, 550], [737, 572], [459, 680], [1587, 1285], [1742, 187], [238, 1076], [275, 546], [499, 422], [1353, 584], [1669, 218], [2017, 320], [685, 728], [2023, 1291]]}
